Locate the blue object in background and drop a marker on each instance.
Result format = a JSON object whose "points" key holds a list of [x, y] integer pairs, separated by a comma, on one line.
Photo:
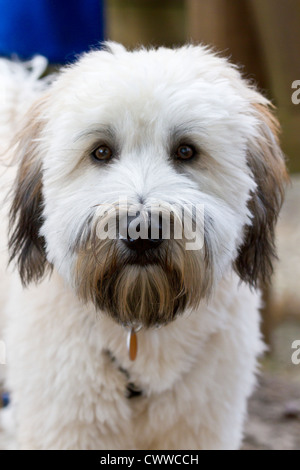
{"points": [[4, 400], [57, 29]]}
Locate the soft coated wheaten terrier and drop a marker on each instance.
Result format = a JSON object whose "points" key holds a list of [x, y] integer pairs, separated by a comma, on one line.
{"points": [[166, 132]]}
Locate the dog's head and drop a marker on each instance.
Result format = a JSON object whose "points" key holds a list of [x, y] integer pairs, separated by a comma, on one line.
{"points": [[167, 131]]}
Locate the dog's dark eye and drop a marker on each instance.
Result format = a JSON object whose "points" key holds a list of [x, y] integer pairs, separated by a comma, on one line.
{"points": [[185, 152], [102, 153]]}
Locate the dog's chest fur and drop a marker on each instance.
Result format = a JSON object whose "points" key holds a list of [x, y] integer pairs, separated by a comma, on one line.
{"points": [[169, 369]]}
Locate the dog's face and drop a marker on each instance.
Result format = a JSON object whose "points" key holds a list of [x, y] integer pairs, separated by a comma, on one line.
{"points": [[174, 128]]}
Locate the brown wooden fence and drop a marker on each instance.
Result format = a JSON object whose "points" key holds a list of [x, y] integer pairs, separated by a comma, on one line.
{"points": [[263, 35]]}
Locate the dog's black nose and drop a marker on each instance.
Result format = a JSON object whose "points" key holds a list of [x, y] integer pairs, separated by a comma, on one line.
{"points": [[149, 238]]}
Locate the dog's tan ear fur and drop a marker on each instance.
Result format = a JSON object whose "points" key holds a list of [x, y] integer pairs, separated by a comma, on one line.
{"points": [[266, 161], [26, 246]]}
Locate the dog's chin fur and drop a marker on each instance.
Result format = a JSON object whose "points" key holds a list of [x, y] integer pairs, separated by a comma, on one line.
{"points": [[150, 291], [146, 289]]}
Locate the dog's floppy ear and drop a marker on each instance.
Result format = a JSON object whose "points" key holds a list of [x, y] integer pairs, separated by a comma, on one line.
{"points": [[254, 263], [25, 244]]}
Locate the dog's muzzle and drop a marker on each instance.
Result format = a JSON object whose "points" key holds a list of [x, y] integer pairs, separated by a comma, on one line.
{"points": [[141, 276]]}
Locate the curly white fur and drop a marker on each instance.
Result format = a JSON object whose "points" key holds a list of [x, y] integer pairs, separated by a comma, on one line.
{"points": [[66, 360]]}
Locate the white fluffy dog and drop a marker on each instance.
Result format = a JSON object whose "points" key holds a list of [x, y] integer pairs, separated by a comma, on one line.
{"points": [[164, 127]]}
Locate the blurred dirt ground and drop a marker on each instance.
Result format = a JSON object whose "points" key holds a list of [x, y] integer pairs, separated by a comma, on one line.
{"points": [[274, 409], [274, 416]]}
